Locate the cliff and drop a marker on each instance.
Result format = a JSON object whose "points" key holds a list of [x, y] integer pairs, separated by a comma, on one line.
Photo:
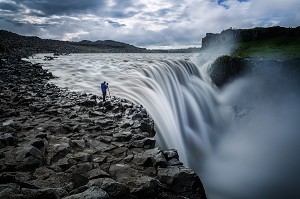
{"points": [[240, 40], [252, 49]]}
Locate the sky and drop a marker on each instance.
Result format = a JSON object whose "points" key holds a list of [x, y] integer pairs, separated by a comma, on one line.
{"points": [[143, 23]]}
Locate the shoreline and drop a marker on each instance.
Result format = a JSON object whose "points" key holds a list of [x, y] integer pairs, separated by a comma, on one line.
{"points": [[56, 143]]}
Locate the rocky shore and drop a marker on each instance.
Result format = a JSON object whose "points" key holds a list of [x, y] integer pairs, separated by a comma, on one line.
{"points": [[55, 143]]}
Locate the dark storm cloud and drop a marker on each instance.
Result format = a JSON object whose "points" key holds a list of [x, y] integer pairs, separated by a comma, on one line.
{"points": [[17, 27], [9, 7], [62, 7], [119, 9]]}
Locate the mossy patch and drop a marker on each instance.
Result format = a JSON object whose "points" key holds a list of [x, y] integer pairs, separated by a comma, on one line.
{"points": [[282, 47]]}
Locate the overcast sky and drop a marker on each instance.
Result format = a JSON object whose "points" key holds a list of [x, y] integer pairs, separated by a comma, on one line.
{"points": [[144, 23]]}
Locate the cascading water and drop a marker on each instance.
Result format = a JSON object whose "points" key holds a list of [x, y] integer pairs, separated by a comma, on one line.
{"points": [[184, 107], [236, 138]]}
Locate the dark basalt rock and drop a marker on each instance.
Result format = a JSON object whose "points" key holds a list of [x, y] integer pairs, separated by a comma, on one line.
{"points": [[60, 144], [226, 68]]}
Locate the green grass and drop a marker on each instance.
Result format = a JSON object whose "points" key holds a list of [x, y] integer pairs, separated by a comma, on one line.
{"points": [[281, 47]]}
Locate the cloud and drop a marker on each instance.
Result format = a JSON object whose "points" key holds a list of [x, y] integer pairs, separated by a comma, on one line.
{"points": [[59, 7], [143, 22], [6, 6]]}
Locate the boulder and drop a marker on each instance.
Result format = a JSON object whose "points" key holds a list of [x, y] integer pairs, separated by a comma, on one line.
{"points": [[8, 139], [126, 124], [147, 126], [120, 171], [182, 181], [146, 143], [43, 193], [11, 188], [53, 180], [26, 158], [93, 192], [225, 69], [122, 136], [79, 180], [172, 153], [137, 116], [96, 173], [150, 158], [142, 186], [114, 189]]}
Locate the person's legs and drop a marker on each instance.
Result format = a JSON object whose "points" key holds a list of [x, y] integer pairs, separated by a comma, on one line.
{"points": [[104, 94]]}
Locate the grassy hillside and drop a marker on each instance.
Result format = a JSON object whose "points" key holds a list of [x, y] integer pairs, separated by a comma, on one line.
{"points": [[282, 47]]}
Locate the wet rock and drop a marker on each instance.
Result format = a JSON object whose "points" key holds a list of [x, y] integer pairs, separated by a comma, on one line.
{"points": [[43, 173], [73, 115], [24, 158], [10, 188], [8, 122], [59, 129], [172, 153], [100, 160], [40, 193], [127, 124], [77, 143], [57, 151], [106, 122], [96, 114], [183, 181], [93, 192], [122, 136], [114, 189], [42, 135], [148, 127], [151, 158], [174, 162], [108, 105], [82, 168], [79, 180], [137, 116], [146, 143], [38, 143], [89, 103], [8, 139], [96, 173], [120, 171], [142, 187], [100, 146], [55, 180], [106, 139]]}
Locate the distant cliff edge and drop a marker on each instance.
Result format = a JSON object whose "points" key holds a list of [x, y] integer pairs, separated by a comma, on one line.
{"points": [[256, 42], [242, 50]]}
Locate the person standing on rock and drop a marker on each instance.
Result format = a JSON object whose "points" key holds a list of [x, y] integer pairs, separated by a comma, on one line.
{"points": [[104, 87]]}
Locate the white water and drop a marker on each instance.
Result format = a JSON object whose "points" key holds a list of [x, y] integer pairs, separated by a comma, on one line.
{"points": [[251, 153]]}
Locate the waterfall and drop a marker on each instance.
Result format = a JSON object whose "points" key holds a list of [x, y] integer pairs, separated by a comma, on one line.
{"points": [[184, 107], [242, 140], [236, 138]]}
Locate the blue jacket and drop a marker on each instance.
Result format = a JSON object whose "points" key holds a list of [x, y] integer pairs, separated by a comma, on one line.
{"points": [[103, 87]]}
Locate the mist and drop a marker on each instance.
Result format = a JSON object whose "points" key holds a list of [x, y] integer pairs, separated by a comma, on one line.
{"points": [[257, 155]]}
